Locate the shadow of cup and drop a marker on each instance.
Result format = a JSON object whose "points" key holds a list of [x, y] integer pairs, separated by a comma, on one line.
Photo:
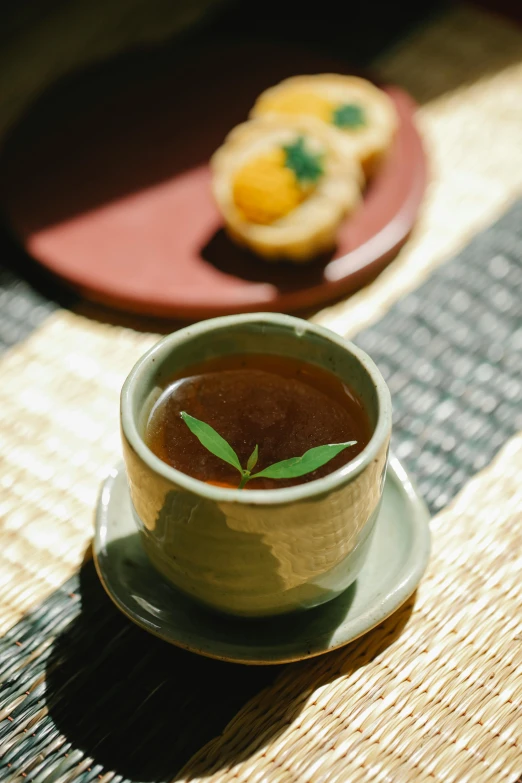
{"points": [[146, 710]]}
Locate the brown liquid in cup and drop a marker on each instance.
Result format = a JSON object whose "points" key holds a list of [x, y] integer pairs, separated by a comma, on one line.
{"points": [[284, 405]]}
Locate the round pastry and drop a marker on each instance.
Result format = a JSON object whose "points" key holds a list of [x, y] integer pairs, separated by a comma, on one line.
{"points": [[363, 115], [283, 188]]}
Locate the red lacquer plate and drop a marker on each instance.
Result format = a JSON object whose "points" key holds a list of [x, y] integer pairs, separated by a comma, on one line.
{"points": [[106, 183]]}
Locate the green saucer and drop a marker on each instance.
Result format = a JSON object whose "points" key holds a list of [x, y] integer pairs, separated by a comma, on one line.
{"points": [[394, 566]]}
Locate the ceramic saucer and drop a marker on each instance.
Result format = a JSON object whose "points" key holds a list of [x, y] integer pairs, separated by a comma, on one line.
{"points": [[396, 561]]}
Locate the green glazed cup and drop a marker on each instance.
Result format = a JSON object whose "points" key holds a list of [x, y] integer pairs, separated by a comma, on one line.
{"points": [[257, 552]]}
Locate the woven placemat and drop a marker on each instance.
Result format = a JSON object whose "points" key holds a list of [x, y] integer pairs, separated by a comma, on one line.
{"points": [[59, 436], [452, 353], [432, 694], [435, 692]]}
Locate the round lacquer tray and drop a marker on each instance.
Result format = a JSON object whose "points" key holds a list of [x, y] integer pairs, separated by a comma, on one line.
{"points": [[106, 183]]}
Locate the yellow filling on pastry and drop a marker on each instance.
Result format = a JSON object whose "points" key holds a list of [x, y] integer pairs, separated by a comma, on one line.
{"points": [[265, 189], [299, 102]]}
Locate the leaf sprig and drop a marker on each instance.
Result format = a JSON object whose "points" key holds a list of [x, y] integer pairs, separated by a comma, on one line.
{"points": [[286, 469], [349, 115], [307, 165]]}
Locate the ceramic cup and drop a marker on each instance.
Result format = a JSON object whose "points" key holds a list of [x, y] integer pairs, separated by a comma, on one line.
{"points": [[256, 552]]}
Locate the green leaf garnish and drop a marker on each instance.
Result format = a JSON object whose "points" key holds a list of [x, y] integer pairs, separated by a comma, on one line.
{"points": [[211, 440], [286, 469], [349, 115], [306, 165], [300, 466]]}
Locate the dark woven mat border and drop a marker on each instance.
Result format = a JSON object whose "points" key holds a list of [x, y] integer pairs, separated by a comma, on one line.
{"points": [[22, 309], [451, 353], [28, 293]]}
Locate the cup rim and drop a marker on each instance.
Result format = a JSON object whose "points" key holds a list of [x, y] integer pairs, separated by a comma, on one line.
{"points": [[264, 497]]}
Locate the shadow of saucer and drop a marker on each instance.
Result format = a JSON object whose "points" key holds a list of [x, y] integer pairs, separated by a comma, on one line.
{"points": [[145, 710], [288, 696], [131, 702]]}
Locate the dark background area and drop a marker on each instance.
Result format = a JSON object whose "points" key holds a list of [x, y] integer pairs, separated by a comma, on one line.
{"points": [[357, 31]]}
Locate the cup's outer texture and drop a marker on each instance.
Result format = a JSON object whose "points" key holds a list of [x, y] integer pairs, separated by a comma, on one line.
{"points": [[265, 552]]}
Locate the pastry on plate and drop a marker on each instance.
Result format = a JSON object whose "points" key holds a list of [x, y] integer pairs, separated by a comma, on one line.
{"points": [[283, 187], [363, 115]]}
